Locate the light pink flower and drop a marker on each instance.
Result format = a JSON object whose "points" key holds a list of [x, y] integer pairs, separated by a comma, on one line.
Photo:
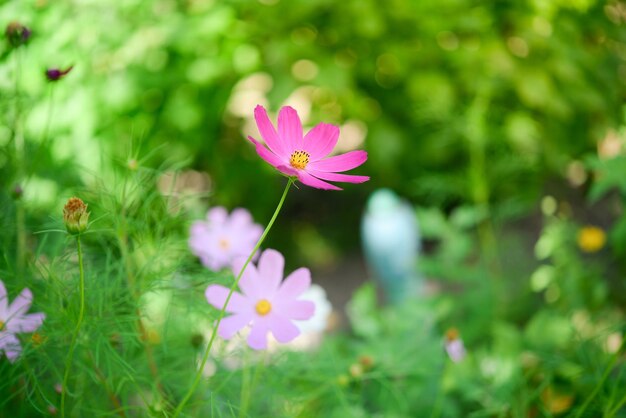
{"points": [[454, 345], [13, 320], [222, 238], [266, 303], [305, 156]]}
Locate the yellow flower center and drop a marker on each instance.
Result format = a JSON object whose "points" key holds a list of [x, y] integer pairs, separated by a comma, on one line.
{"points": [[1, 325], [263, 307], [299, 160], [224, 244]]}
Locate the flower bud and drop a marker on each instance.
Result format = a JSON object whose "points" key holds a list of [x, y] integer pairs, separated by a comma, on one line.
{"points": [[55, 74], [17, 192], [75, 216], [17, 34]]}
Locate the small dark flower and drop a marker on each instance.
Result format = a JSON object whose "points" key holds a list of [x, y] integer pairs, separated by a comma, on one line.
{"points": [[55, 74], [17, 34], [75, 216]]}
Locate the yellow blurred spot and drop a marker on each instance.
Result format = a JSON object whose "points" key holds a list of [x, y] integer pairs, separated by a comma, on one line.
{"points": [[613, 342], [304, 70], [38, 339], [153, 336], [133, 165], [518, 46], [556, 402], [452, 334], [366, 361], [343, 380], [576, 173], [611, 145], [591, 239], [356, 370]]}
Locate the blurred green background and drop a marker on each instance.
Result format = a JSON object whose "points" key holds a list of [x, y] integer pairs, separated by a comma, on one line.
{"points": [[503, 122], [456, 101]]}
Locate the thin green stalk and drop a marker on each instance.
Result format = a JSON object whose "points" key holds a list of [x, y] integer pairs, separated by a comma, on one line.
{"points": [[245, 387], [196, 381], [619, 405], [45, 132], [610, 409], [250, 383], [436, 412], [18, 142], [605, 375], [81, 314]]}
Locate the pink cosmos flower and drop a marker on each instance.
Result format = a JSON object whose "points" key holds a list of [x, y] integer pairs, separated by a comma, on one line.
{"points": [[266, 303], [305, 156], [222, 238], [13, 320], [454, 345]]}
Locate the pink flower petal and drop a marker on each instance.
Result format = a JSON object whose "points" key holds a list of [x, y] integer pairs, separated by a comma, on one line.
{"points": [[217, 215], [321, 140], [4, 300], [347, 178], [11, 346], [273, 159], [20, 305], [257, 338], [288, 170], [290, 129], [250, 284], [283, 329], [268, 133], [296, 309], [239, 218], [26, 323], [294, 285], [231, 324], [311, 181], [270, 267], [339, 163], [216, 295]]}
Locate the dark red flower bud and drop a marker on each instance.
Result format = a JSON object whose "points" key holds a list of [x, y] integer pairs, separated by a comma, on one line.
{"points": [[55, 74]]}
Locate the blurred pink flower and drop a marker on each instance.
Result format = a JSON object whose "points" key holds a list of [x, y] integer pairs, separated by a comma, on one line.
{"points": [[454, 345], [13, 320], [221, 238], [304, 157], [266, 303]]}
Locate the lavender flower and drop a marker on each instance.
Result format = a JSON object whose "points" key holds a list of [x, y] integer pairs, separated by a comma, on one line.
{"points": [[221, 238], [14, 320]]}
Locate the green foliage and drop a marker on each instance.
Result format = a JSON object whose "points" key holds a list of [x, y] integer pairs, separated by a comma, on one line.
{"points": [[474, 110]]}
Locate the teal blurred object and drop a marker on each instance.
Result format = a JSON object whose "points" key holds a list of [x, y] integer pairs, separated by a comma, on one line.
{"points": [[391, 242]]}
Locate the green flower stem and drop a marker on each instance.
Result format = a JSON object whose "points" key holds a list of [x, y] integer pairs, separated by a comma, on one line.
{"points": [[81, 314], [45, 133], [196, 381], [18, 160]]}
